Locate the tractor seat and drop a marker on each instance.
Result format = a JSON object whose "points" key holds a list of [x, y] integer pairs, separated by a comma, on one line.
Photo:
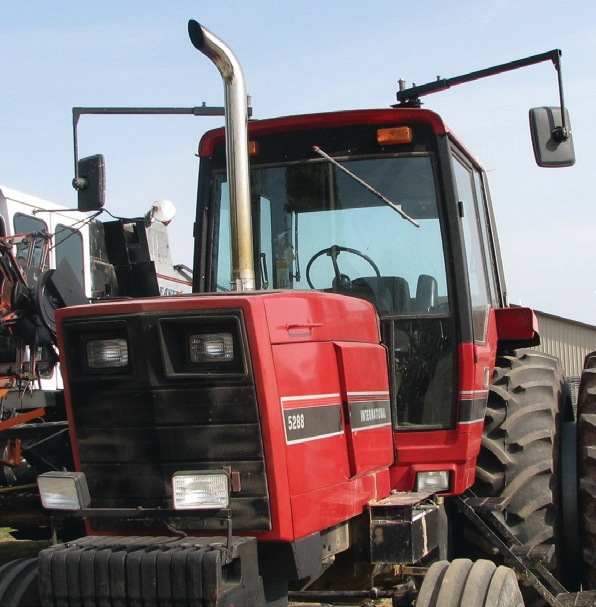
{"points": [[389, 294], [426, 299]]}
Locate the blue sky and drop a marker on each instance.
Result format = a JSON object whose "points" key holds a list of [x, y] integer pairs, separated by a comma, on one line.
{"points": [[301, 57]]}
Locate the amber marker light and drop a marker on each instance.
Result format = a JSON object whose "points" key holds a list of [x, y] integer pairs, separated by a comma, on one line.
{"points": [[394, 135], [253, 148]]}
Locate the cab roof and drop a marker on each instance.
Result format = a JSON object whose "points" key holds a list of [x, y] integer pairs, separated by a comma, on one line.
{"points": [[330, 119]]}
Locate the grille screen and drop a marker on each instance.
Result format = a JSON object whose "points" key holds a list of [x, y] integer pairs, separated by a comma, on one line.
{"points": [[135, 430]]}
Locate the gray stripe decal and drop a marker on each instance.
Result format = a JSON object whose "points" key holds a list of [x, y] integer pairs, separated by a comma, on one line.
{"points": [[472, 410], [370, 414], [311, 423]]}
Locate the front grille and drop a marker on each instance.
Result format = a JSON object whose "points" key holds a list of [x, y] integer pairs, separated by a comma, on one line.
{"points": [[136, 427]]}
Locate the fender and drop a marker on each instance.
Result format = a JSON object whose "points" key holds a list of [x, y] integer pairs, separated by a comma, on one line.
{"points": [[517, 328]]}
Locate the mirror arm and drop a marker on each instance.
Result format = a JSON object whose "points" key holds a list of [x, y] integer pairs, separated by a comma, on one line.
{"points": [[412, 95], [560, 133], [78, 183]]}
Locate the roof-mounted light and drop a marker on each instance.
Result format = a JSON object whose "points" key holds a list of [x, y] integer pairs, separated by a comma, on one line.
{"points": [[394, 135]]}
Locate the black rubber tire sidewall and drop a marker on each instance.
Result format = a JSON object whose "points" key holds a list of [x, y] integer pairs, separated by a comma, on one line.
{"points": [[586, 470], [521, 446], [19, 584], [462, 583]]}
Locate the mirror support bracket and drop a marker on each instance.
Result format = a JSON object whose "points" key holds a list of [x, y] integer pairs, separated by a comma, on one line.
{"points": [[545, 144], [80, 183]]}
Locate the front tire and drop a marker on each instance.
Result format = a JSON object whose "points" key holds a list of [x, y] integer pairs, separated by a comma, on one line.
{"points": [[463, 584], [19, 586]]}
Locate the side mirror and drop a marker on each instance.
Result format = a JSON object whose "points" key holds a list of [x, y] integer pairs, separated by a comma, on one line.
{"points": [[553, 144], [90, 183]]}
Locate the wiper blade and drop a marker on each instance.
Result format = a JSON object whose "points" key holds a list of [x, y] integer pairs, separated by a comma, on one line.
{"points": [[363, 183]]}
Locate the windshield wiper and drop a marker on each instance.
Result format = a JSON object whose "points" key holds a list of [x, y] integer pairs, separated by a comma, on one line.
{"points": [[363, 183]]}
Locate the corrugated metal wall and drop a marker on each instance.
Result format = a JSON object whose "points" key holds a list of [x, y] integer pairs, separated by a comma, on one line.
{"points": [[568, 340]]}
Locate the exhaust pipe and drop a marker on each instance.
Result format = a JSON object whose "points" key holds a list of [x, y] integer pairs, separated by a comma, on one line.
{"points": [[236, 126]]}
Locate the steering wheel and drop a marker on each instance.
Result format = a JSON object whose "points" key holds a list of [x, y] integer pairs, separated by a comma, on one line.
{"points": [[340, 280]]}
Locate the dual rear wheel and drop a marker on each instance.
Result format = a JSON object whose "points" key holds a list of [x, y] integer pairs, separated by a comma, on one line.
{"points": [[586, 455], [521, 445], [520, 457]]}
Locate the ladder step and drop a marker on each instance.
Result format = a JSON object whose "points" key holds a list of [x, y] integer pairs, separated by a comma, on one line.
{"points": [[486, 504], [587, 598], [543, 553]]}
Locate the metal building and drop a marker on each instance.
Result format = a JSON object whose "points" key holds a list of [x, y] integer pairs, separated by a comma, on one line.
{"points": [[568, 340]]}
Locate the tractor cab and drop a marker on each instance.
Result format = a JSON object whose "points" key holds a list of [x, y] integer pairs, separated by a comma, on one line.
{"points": [[375, 204]]}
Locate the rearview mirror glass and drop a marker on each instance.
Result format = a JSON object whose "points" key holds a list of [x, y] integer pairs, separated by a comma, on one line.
{"points": [[550, 149]]}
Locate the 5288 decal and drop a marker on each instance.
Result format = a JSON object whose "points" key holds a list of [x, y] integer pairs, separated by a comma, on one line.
{"points": [[312, 423], [296, 421]]}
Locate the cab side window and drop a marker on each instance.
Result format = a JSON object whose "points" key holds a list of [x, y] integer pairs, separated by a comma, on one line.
{"points": [[487, 238], [474, 248]]}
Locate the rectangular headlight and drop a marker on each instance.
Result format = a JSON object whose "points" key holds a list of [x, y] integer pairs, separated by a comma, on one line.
{"points": [[63, 490], [200, 490], [211, 347], [434, 481], [107, 353]]}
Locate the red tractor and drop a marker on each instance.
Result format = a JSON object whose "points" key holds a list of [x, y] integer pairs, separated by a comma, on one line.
{"points": [[343, 403]]}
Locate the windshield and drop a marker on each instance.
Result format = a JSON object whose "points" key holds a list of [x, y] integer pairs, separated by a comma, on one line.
{"points": [[315, 227], [318, 228]]}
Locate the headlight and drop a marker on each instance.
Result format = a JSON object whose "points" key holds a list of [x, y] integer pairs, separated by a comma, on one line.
{"points": [[63, 490], [434, 481], [211, 347], [107, 353], [203, 344], [200, 490]]}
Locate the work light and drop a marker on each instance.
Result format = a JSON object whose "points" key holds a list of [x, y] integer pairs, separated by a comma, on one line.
{"points": [[63, 490], [434, 481]]}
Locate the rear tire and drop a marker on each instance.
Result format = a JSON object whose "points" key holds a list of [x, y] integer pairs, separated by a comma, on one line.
{"points": [[586, 462], [521, 444], [463, 584], [19, 585]]}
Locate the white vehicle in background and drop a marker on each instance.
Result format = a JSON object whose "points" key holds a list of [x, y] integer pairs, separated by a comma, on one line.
{"points": [[57, 234], [35, 237], [51, 257]]}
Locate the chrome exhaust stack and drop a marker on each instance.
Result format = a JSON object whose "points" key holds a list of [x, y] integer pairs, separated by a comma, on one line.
{"points": [[236, 126]]}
